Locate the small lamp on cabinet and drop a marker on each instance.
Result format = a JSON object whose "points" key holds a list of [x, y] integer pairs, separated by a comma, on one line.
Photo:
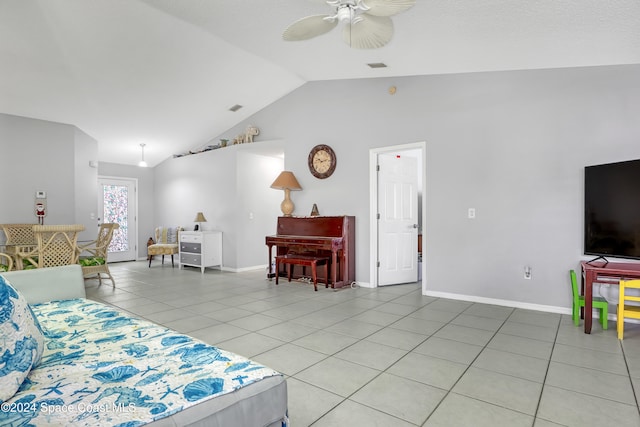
{"points": [[199, 220], [286, 181]]}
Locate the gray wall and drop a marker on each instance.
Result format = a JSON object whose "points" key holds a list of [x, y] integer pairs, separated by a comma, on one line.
{"points": [[85, 150], [52, 157], [513, 145]]}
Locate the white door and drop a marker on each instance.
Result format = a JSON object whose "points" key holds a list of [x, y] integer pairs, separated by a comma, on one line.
{"points": [[398, 223], [118, 204]]}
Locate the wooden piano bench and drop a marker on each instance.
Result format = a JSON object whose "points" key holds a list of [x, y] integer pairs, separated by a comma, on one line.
{"points": [[305, 261]]}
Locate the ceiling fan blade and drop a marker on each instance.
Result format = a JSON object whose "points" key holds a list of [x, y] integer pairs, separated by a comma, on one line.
{"points": [[387, 7], [309, 27], [371, 32]]}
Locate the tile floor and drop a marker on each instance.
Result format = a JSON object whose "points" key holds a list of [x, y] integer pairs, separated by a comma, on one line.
{"points": [[392, 357]]}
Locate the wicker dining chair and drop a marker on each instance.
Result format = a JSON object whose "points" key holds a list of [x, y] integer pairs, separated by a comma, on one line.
{"points": [[4, 258], [94, 262], [55, 245], [18, 238]]}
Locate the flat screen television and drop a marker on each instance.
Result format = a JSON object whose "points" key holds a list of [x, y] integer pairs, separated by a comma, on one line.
{"points": [[612, 210]]}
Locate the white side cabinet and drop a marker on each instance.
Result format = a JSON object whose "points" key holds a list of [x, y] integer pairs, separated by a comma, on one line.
{"points": [[201, 249]]}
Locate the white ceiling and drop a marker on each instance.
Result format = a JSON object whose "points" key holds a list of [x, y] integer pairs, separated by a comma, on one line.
{"points": [[165, 72]]}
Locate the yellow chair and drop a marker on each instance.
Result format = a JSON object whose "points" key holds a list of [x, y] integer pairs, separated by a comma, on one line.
{"points": [[55, 245], [166, 243], [96, 263], [627, 310]]}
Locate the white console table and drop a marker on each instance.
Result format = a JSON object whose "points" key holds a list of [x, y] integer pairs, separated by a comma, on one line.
{"points": [[200, 249]]}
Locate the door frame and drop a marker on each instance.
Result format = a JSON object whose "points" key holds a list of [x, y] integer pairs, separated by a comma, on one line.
{"points": [[373, 206], [135, 213]]}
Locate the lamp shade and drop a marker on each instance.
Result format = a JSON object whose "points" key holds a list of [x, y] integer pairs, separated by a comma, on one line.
{"points": [[200, 218], [286, 180]]}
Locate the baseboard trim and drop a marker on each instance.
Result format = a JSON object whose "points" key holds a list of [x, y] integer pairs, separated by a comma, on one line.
{"points": [[501, 302], [519, 304], [243, 269], [365, 285]]}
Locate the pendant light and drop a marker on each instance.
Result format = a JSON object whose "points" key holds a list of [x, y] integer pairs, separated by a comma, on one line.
{"points": [[142, 163]]}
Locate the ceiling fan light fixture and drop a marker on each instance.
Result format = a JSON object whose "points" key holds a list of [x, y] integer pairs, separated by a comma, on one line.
{"points": [[367, 25], [345, 14]]}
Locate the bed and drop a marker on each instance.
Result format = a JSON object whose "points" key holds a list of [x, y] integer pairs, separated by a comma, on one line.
{"points": [[103, 367]]}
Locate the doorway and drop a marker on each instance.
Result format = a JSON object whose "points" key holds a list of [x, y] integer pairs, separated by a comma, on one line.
{"points": [[118, 204], [380, 259]]}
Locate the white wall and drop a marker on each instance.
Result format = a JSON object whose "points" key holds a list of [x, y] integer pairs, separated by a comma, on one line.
{"points": [[258, 204], [227, 185]]}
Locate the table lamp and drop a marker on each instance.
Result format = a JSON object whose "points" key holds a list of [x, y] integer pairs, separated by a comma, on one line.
{"points": [[286, 181], [199, 219]]}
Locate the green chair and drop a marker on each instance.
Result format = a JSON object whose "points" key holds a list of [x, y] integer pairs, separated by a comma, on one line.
{"points": [[578, 301]]}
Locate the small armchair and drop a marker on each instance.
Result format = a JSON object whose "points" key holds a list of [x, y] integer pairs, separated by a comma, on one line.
{"points": [[55, 245], [166, 243], [94, 261]]}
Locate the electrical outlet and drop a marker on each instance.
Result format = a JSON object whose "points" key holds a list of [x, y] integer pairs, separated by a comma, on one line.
{"points": [[471, 213], [527, 273]]}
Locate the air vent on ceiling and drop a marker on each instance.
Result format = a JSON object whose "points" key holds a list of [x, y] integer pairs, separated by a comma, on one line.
{"points": [[377, 65], [235, 108]]}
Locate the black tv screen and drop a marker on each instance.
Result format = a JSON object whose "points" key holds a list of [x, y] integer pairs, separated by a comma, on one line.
{"points": [[612, 210]]}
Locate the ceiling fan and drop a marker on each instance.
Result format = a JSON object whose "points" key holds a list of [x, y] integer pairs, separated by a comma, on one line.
{"points": [[367, 22]]}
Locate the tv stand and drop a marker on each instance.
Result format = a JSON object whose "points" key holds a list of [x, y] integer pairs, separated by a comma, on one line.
{"points": [[606, 261]]}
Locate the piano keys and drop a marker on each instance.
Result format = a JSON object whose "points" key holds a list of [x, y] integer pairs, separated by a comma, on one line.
{"points": [[332, 236]]}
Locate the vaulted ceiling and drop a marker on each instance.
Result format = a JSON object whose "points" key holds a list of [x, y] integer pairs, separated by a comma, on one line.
{"points": [[166, 72]]}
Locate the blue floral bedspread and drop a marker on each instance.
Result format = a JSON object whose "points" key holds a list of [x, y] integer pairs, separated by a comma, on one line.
{"points": [[102, 367]]}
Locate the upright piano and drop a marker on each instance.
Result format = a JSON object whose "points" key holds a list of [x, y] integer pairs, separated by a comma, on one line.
{"points": [[332, 236]]}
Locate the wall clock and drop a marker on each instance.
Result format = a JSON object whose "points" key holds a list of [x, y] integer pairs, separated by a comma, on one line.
{"points": [[322, 161]]}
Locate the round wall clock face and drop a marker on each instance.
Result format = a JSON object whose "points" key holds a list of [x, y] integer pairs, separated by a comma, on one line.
{"points": [[322, 161]]}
